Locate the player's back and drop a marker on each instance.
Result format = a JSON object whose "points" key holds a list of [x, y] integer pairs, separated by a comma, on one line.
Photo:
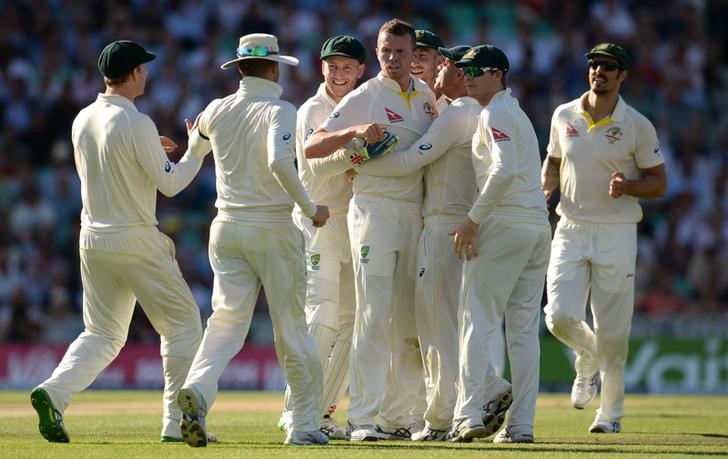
{"points": [[244, 130], [115, 191]]}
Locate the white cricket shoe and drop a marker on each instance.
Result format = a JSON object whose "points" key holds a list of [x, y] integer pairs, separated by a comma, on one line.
{"points": [[584, 390], [193, 418], [605, 427], [314, 437], [399, 433], [285, 421], [332, 429], [463, 433], [429, 434], [508, 436], [494, 412], [363, 432]]}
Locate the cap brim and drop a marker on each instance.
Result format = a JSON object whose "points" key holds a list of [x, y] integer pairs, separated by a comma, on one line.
{"points": [[447, 53], [606, 54], [465, 63], [149, 57], [340, 54], [290, 60]]}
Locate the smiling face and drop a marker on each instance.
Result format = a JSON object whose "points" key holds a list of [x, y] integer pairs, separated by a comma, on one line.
{"points": [[340, 75], [394, 53], [604, 75], [425, 63]]}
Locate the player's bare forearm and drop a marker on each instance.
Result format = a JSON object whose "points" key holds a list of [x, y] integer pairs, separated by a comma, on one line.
{"points": [[550, 174], [651, 184]]}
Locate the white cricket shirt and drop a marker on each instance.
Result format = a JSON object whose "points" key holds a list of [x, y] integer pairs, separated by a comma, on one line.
{"points": [[590, 153], [406, 115], [507, 164], [252, 135], [335, 190], [445, 153], [121, 164]]}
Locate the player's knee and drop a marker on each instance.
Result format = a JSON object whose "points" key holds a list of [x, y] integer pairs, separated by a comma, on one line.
{"points": [[559, 323]]}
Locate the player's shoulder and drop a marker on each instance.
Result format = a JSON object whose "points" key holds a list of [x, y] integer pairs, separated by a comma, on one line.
{"points": [[568, 107], [640, 121], [462, 107]]}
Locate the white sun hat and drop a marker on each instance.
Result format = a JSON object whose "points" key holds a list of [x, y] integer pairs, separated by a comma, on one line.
{"points": [[259, 46]]}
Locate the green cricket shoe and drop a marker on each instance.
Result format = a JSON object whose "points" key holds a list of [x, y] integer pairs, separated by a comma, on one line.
{"points": [[50, 420]]}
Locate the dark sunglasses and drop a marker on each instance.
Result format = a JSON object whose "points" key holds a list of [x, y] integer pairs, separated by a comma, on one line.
{"points": [[475, 72], [606, 65]]}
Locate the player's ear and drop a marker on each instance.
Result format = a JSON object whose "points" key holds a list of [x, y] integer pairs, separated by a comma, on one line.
{"points": [[360, 71]]}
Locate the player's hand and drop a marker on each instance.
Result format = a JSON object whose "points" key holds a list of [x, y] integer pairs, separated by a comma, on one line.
{"points": [[350, 173], [168, 144], [320, 217], [547, 196], [371, 133], [465, 239], [617, 185]]}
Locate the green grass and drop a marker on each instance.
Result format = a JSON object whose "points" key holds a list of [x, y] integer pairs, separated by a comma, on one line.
{"points": [[127, 424]]}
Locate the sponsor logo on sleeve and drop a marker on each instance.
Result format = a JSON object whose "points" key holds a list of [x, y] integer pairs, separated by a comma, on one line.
{"points": [[286, 137], [657, 149], [393, 116], [308, 133], [335, 115], [500, 136], [167, 167], [425, 147]]}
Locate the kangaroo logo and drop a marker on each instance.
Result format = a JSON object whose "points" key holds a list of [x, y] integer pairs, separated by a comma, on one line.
{"points": [[364, 254]]}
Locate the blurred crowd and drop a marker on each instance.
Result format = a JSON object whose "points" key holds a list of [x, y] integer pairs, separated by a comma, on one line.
{"points": [[48, 51]]}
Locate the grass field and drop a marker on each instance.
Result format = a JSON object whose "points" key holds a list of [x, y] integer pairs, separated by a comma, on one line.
{"points": [[126, 425]]}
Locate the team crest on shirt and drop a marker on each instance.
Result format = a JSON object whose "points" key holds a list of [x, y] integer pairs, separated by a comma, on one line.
{"points": [[309, 131], [315, 261], [429, 110], [571, 131], [500, 136], [393, 116], [167, 167], [614, 134], [365, 254]]}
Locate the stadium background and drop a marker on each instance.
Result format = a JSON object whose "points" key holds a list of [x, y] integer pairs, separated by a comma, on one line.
{"points": [[48, 51]]}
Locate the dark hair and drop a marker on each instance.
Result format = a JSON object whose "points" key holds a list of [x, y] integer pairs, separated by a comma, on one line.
{"points": [[255, 67], [399, 27]]}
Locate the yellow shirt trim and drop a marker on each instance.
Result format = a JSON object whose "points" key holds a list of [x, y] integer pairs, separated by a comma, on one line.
{"points": [[590, 121]]}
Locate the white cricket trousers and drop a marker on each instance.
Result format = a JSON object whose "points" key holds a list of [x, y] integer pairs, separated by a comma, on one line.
{"points": [[596, 261], [507, 278], [118, 269], [437, 300], [330, 301], [245, 254], [386, 367]]}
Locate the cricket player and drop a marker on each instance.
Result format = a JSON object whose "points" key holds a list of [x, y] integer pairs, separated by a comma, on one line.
{"points": [[330, 300], [384, 226], [254, 242], [124, 258], [505, 242], [444, 152], [427, 61], [604, 156]]}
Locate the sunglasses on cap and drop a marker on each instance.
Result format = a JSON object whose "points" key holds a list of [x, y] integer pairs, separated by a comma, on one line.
{"points": [[257, 51], [606, 65], [475, 72]]}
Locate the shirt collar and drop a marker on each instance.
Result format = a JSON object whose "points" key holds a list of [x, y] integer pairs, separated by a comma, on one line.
{"points": [[323, 94], [116, 99], [393, 85], [260, 86]]}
